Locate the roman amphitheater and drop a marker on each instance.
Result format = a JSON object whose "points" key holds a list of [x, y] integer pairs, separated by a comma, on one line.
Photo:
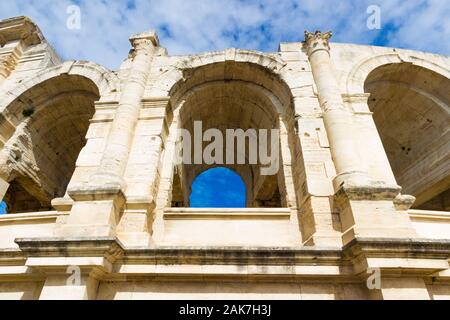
{"points": [[97, 208]]}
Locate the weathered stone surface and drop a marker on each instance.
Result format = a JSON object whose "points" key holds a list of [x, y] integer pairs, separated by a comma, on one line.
{"points": [[363, 180]]}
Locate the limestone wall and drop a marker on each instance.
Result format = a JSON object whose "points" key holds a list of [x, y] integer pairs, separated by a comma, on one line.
{"points": [[363, 140]]}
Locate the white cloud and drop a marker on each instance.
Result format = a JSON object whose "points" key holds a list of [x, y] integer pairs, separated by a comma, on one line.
{"points": [[190, 26]]}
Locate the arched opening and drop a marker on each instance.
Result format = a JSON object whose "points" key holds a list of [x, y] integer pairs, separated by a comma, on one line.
{"points": [[51, 121], [411, 109], [218, 188], [233, 98]]}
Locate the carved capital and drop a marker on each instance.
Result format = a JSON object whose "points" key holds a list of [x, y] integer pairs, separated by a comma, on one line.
{"points": [[317, 41], [144, 42]]}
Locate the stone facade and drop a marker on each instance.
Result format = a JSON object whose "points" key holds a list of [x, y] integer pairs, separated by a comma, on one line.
{"points": [[98, 209]]}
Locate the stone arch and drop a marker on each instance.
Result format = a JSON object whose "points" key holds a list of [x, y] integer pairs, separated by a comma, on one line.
{"points": [[106, 81], [411, 109], [43, 130], [269, 64], [225, 83], [358, 75], [266, 67], [265, 60]]}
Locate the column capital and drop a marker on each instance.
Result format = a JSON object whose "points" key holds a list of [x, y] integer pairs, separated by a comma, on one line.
{"points": [[145, 40], [317, 41]]}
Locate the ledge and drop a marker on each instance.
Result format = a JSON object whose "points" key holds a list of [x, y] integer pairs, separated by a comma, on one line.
{"points": [[47, 215], [430, 215], [201, 214], [109, 247], [373, 191], [108, 257], [400, 247], [109, 190], [11, 256], [233, 255]]}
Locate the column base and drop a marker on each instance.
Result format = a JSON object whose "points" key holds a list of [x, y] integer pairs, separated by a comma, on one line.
{"points": [[95, 212], [352, 178], [368, 211], [320, 226], [135, 227]]}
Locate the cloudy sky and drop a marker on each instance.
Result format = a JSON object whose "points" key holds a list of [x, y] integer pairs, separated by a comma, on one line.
{"points": [[192, 26]]}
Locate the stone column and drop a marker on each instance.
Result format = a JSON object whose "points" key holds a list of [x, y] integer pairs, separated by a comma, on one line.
{"points": [[366, 207], [99, 203], [119, 141], [337, 119]]}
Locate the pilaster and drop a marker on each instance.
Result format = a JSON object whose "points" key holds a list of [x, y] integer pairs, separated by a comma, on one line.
{"points": [[365, 205], [115, 155], [337, 119], [100, 201]]}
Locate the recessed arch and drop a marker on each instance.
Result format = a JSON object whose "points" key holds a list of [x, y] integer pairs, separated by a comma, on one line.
{"points": [[43, 131], [356, 79], [106, 81], [16, 96], [247, 73], [232, 95], [411, 109]]}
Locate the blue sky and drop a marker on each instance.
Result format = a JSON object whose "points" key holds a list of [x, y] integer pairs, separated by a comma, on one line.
{"points": [[193, 26], [218, 188]]}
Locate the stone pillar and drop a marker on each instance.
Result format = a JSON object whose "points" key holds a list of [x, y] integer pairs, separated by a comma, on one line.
{"points": [[98, 204], [143, 172], [366, 207], [337, 119], [119, 141]]}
